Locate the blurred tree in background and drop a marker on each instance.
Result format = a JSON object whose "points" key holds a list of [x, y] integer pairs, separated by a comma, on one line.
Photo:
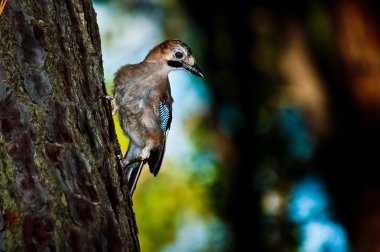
{"points": [[285, 155], [278, 61]]}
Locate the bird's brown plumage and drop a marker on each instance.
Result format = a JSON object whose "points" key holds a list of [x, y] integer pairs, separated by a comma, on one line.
{"points": [[138, 91]]}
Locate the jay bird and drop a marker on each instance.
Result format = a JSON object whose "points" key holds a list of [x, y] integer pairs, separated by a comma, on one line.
{"points": [[143, 101]]}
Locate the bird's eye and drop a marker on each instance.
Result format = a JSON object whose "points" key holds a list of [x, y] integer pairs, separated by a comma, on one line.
{"points": [[179, 55]]}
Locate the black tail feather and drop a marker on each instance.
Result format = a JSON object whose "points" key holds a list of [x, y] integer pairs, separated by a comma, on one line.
{"points": [[134, 169], [133, 174]]}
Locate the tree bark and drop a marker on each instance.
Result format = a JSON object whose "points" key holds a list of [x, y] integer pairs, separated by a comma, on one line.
{"points": [[62, 187]]}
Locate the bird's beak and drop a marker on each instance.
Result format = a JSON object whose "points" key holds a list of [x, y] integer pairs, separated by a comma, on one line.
{"points": [[194, 69]]}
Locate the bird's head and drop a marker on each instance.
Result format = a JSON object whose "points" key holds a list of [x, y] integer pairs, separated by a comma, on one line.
{"points": [[175, 55]]}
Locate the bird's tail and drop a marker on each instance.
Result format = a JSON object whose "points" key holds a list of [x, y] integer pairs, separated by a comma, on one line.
{"points": [[133, 174], [134, 169]]}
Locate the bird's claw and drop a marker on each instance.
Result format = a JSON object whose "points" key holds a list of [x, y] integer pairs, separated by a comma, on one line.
{"points": [[113, 104], [108, 97], [121, 160]]}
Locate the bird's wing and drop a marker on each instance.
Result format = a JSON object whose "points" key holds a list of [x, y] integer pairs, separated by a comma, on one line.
{"points": [[156, 156], [165, 116]]}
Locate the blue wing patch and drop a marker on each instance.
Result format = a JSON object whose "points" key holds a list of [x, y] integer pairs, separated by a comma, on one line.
{"points": [[164, 116]]}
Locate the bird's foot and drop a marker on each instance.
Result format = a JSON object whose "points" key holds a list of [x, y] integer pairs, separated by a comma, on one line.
{"points": [[121, 160], [108, 97], [125, 162], [113, 104], [144, 156]]}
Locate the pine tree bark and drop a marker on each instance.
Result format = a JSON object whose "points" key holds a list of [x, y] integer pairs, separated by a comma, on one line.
{"points": [[62, 188]]}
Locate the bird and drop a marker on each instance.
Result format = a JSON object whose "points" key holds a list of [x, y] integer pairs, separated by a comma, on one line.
{"points": [[143, 102]]}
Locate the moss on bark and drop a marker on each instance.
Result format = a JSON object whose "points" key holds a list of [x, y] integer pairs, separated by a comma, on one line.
{"points": [[62, 187]]}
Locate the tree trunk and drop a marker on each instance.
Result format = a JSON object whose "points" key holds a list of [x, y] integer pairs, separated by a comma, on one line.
{"points": [[62, 188]]}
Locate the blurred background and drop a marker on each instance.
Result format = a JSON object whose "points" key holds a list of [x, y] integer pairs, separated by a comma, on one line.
{"points": [[277, 148]]}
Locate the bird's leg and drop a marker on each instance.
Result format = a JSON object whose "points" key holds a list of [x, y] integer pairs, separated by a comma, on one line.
{"points": [[144, 155], [131, 161], [113, 104]]}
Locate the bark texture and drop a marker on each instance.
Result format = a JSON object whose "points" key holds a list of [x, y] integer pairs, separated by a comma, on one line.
{"points": [[62, 188]]}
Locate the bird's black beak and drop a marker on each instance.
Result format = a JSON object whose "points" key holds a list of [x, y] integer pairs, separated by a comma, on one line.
{"points": [[194, 69]]}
